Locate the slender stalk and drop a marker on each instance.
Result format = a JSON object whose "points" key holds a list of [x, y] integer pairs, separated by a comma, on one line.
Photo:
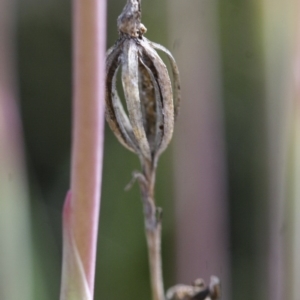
{"points": [[82, 210], [152, 229], [148, 128], [155, 263]]}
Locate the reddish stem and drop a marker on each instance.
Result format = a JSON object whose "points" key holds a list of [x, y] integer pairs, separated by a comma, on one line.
{"points": [[89, 36]]}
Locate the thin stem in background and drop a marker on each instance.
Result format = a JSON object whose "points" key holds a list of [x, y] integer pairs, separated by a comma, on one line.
{"points": [[293, 181], [201, 204], [279, 114]]}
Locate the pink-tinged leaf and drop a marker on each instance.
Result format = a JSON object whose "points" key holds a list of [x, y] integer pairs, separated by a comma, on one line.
{"points": [[74, 282]]}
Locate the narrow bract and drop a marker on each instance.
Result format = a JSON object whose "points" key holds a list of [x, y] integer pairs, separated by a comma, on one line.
{"points": [[148, 127], [197, 291]]}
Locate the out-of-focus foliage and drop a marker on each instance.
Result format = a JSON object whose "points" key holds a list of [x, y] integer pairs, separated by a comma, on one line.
{"points": [[243, 79]]}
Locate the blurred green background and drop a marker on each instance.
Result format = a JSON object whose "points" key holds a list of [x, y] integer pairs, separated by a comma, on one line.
{"points": [[235, 59]]}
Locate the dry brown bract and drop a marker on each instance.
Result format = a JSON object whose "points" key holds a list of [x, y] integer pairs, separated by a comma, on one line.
{"points": [[148, 127], [197, 291]]}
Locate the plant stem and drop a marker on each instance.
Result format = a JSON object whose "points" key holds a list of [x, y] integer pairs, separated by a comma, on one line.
{"points": [[154, 249], [89, 66], [89, 58], [89, 27], [152, 229]]}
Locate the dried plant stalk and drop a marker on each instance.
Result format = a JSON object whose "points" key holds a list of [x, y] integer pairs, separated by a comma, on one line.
{"points": [[148, 127]]}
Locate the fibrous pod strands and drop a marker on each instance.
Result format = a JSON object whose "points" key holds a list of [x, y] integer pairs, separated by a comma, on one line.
{"points": [[148, 127]]}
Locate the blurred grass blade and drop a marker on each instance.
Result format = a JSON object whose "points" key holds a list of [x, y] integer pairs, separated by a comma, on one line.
{"points": [[15, 238], [201, 206], [293, 216], [278, 24], [76, 286], [295, 212]]}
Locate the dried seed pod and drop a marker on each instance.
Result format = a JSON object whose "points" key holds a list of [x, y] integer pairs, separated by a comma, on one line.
{"points": [[148, 127]]}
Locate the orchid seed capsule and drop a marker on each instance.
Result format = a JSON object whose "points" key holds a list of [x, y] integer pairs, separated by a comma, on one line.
{"points": [[148, 127]]}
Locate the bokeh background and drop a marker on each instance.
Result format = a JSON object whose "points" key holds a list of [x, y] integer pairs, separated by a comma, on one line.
{"points": [[229, 184]]}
